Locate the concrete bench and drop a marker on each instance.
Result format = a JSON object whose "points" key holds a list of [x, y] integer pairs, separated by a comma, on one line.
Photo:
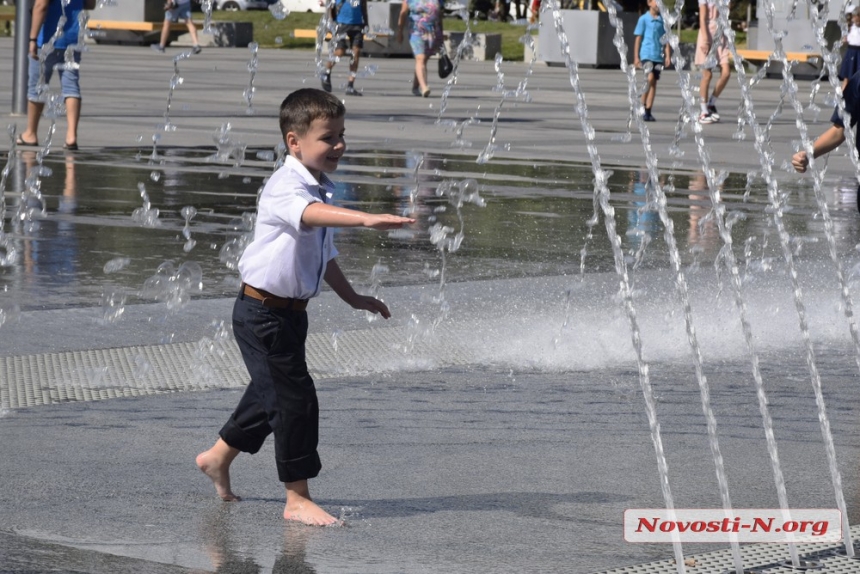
{"points": [[484, 47], [8, 20], [225, 34], [309, 34], [760, 56], [136, 26], [803, 64]]}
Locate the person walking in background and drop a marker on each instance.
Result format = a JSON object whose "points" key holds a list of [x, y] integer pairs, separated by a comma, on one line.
{"points": [[43, 30], [351, 18], [291, 254], [426, 37], [851, 61], [704, 42], [649, 53], [174, 11]]}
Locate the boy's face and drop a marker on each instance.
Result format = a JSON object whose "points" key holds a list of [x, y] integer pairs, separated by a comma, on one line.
{"points": [[653, 8], [321, 147]]}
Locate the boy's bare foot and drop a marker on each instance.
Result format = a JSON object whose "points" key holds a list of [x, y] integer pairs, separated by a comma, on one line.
{"points": [[307, 512], [216, 466], [301, 508]]}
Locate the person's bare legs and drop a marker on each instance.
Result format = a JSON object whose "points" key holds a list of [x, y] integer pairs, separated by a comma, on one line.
{"points": [[703, 87], [34, 114], [648, 96], [192, 29], [73, 115], [165, 33], [353, 65], [725, 74], [215, 463], [301, 508], [421, 72]]}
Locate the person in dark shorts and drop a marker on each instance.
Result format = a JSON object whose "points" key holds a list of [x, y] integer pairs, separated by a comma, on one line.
{"points": [[834, 136], [649, 54], [351, 18]]}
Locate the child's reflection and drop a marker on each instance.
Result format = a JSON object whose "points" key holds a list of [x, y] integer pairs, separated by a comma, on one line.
{"points": [[226, 559]]}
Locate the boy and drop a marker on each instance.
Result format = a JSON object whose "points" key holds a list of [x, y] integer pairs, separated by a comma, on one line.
{"points": [[647, 49], [174, 11], [351, 18], [708, 13], [291, 254]]}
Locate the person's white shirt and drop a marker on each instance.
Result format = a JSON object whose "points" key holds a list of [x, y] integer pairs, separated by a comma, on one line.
{"points": [[275, 261], [854, 36]]}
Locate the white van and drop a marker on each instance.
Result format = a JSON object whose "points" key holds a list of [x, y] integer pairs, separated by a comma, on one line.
{"points": [[317, 6]]}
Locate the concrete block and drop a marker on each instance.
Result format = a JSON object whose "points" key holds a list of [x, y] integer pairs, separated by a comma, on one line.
{"points": [[484, 46], [222, 34], [136, 11]]}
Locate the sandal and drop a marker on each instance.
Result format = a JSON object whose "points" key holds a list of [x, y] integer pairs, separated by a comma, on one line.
{"points": [[23, 142], [70, 147]]}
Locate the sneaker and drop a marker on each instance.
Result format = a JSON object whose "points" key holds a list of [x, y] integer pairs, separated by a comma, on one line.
{"points": [[706, 118], [416, 91], [712, 110], [326, 82], [425, 93], [196, 50], [647, 117], [158, 48], [351, 91]]}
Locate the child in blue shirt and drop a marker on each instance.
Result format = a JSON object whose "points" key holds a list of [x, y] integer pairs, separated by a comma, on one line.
{"points": [[649, 53]]}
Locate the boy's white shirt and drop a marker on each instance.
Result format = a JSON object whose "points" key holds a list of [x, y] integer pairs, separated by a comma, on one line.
{"points": [[286, 257]]}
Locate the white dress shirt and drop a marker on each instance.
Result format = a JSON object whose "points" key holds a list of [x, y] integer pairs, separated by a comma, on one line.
{"points": [[286, 257]]}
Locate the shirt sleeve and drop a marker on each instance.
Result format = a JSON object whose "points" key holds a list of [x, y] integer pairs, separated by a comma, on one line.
{"points": [[640, 27], [851, 95], [286, 202]]}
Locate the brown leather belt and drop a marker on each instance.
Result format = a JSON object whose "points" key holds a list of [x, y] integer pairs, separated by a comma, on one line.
{"points": [[273, 301]]}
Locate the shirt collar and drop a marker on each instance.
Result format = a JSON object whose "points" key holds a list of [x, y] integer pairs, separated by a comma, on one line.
{"points": [[324, 187]]}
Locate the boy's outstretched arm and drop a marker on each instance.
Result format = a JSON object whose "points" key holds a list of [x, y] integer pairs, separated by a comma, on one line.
{"points": [[340, 284], [826, 143], [325, 215]]}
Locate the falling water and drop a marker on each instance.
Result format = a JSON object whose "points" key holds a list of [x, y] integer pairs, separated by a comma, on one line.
{"points": [[601, 191], [675, 258], [248, 94], [777, 203]]}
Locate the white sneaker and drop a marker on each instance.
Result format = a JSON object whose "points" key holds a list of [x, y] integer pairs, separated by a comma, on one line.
{"points": [[712, 110], [706, 118]]}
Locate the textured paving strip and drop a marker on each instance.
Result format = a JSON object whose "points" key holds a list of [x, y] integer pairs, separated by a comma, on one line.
{"points": [[97, 374], [761, 558]]}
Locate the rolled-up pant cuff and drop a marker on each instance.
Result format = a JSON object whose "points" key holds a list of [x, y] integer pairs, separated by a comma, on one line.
{"points": [[240, 440], [299, 468]]}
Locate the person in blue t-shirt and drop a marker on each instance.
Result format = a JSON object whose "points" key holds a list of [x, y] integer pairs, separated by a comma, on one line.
{"points": [[44, 30], [834, 136], [649, 53], [351, 18]]}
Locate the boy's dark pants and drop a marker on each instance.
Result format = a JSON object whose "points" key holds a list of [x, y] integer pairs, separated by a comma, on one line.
{"points": [[281, 398]]}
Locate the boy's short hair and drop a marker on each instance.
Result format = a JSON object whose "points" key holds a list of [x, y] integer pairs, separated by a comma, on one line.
{"points": [[302, 107]]}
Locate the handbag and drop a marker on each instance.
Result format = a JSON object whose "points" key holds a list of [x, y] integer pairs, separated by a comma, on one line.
{"points": [[445, 65]]}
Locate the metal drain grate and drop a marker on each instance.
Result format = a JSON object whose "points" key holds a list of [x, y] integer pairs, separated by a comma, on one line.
{"points": [[32, 380], [764, 558]]}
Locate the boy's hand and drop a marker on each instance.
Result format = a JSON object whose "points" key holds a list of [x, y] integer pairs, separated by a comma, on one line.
{"points": [[800, 162], [386, 221], [368, 303], [637, 63]]}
